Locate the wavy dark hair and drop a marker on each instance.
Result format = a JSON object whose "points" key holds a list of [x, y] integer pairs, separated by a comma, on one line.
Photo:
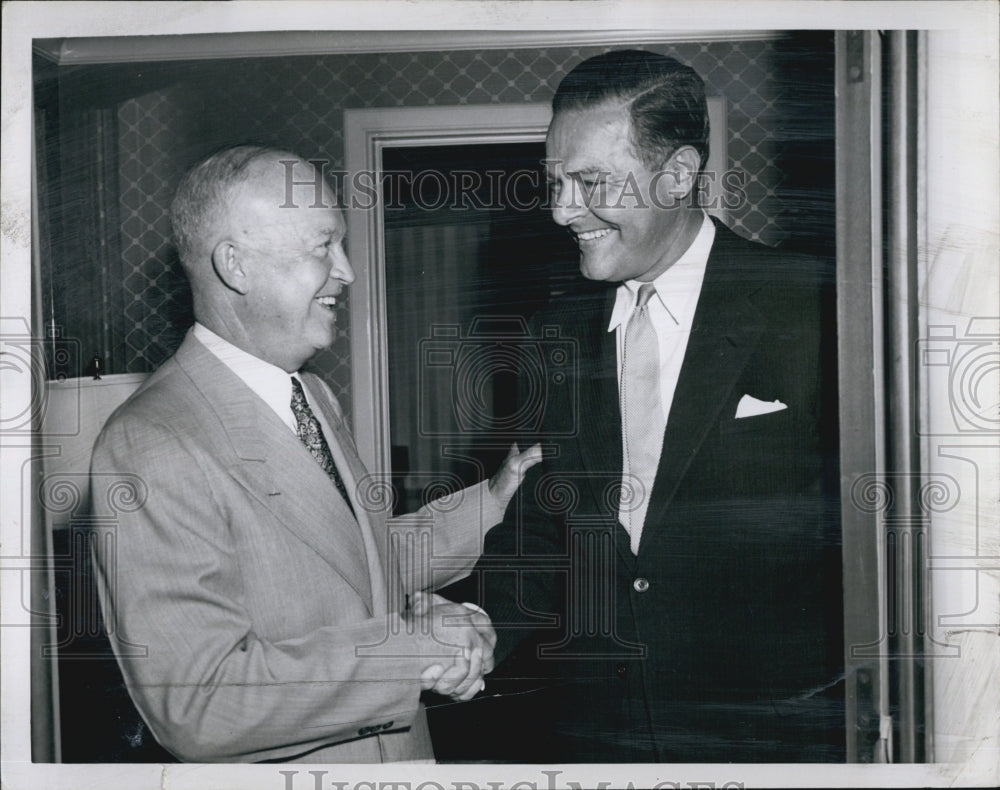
{"points": [[665, 98]]}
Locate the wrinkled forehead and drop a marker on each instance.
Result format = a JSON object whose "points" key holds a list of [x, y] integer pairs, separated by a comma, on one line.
{"points": [[289, 182], [287, 200]]}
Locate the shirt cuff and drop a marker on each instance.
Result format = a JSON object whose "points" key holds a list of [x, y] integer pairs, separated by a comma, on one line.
{"points": [[474, 608]]}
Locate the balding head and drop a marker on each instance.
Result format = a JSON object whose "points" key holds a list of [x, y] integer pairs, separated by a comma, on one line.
{"points": [[265, 271], [201, 210]]}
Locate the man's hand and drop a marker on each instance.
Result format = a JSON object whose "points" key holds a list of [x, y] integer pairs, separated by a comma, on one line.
{"points": [[465, 628], [511, 472]]}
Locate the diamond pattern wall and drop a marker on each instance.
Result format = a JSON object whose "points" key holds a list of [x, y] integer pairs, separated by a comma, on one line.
{"points": [[155, 292], [298, 103]]}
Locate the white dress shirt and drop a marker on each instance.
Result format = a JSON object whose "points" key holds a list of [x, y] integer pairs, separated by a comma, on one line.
{"points": [[269, 382], [671, 312]]}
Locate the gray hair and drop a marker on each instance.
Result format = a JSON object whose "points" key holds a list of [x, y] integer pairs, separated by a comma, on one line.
{"points": [[205, 190]]}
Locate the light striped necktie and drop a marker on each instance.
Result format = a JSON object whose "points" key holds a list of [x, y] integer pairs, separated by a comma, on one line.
{"points": [[642, 413], [311, 434]]}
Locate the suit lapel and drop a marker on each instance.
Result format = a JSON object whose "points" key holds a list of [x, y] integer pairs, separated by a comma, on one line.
{"points": [[725, 331], [359, 484], [276, 468]]}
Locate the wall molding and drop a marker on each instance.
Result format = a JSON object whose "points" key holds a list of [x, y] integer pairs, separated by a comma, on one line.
{"points": [[222, 46]]}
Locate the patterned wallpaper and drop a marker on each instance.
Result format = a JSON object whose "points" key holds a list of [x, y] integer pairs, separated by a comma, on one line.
{"points": [[157, 300], [780, 103]]}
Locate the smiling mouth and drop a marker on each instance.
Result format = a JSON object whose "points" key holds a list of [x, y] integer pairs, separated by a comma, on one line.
{"points": [[329, 302], [591, 236]]}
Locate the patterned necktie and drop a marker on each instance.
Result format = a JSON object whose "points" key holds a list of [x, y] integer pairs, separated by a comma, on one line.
{"points": [[642, 411], [311, 434]]}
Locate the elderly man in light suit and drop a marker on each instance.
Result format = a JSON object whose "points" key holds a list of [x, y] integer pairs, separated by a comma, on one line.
{"points": [[277, 621]]}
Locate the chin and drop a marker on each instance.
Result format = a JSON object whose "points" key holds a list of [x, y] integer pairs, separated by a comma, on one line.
{"points": [[323, 336], [322, 344], [598, 272]]}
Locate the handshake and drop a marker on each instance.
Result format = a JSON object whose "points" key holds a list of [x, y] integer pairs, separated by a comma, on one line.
{"points": [[468, 631]]}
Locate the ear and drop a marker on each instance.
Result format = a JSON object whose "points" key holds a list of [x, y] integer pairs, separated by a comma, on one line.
{"points": [[682, 165], [228, 265]]}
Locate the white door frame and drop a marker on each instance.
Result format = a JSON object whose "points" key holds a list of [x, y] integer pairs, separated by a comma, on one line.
{"points": [[366, 134]]}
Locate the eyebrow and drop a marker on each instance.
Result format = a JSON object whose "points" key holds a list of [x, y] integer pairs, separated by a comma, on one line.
{"points": [[321, 237], [588, 171], [334, 230], [583, 167]]}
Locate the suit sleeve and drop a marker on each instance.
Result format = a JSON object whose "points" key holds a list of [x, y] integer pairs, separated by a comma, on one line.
{"points": [[441, 542], [524, 565], [210, 688]]}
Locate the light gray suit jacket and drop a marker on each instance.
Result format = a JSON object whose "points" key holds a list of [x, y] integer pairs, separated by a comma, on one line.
{"points": [[253, 616]]}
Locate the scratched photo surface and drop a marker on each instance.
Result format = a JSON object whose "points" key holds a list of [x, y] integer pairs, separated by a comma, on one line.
{"points": [[801, 588]]}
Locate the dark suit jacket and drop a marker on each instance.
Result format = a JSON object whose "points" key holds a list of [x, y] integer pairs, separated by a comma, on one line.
{"points": [[721, 640]]}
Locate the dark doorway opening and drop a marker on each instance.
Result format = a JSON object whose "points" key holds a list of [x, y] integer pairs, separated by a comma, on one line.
{"points": [[471, 253]]}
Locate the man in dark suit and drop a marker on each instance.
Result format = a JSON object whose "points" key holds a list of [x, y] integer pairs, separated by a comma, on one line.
{"points": [[262, 602], [668, 579]]}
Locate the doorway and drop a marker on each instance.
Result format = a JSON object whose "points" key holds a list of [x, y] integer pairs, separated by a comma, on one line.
{"points": [[471, 253]]}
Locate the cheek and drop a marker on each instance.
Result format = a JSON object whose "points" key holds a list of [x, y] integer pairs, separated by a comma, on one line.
{"points": [[288, 305], [648, 232], [316, 276], [266, 306]]}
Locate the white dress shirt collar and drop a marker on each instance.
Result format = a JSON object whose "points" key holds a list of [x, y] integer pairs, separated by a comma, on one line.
{"points": [[677, 288], [269, 382]]}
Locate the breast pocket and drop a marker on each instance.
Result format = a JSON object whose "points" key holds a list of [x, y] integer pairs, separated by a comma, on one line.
{"points": [[774, 423], [756, 455]]}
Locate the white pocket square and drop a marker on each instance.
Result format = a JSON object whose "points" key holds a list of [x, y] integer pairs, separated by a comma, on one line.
{"points": [[751, 407]]}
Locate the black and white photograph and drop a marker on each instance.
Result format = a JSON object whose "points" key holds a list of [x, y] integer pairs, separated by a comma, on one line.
{"points": [[528, 394]]}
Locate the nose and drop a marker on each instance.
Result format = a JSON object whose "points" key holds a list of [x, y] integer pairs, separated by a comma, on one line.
{"points": [[567, 203], [341, 268]]}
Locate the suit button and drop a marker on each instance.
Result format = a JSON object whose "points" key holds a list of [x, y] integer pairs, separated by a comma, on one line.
{"points": [[365, 731], [640, 585], [620, 670], [387, 725]]}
